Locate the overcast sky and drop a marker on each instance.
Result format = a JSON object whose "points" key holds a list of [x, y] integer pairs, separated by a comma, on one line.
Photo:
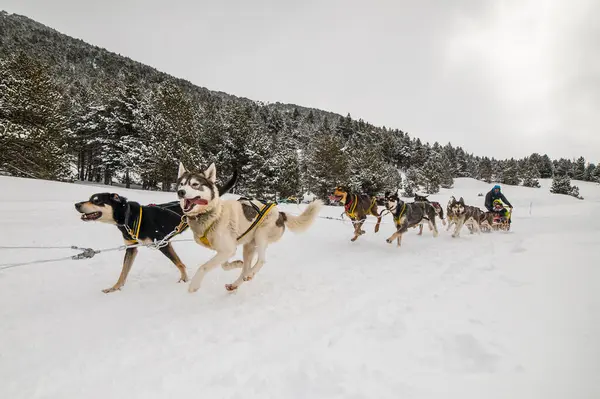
{"points": [[499, 78]]}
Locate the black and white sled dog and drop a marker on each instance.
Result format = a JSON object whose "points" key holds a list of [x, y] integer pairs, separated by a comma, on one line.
{"points": [[222, 225], [439, 211], [460, 214], [408, 215]]}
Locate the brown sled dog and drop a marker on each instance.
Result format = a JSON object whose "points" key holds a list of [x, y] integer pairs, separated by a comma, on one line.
{"points": [[357, 207]]}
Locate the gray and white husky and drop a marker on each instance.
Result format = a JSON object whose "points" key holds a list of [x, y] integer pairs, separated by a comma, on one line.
{"points": [[461, 214], [222, 225]]}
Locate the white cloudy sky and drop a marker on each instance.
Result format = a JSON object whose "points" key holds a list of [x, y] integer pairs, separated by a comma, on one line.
{"points": [[501, 78]]}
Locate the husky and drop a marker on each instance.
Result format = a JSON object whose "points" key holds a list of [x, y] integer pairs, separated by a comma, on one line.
{"points": [[408, 215], [468, 215], [222, 225], [439, 211]]}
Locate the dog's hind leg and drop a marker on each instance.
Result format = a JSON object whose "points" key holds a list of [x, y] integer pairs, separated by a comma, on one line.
{"points": [[377, 215], [399, 239], [420, 229], [169, 252], [432, 226], [130, 254], [261, 247], [249, 251]]}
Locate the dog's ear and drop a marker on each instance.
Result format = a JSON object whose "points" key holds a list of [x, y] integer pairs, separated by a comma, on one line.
{"points": [[211, 173], [181, 170], [117, 198], [461, 200]]}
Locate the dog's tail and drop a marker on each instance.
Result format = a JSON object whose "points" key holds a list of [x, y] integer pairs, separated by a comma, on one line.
{"points": [[229, 185], [303, 221]]}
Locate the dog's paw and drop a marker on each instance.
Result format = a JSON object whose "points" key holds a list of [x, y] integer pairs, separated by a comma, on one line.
{"points": [[388, 240], [248, 277], [183, 279], [353, 238], [230, 287], [111, 289], [193, 288]]}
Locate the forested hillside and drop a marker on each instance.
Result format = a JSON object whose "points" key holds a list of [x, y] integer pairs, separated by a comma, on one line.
{"points": [[70, 110]]}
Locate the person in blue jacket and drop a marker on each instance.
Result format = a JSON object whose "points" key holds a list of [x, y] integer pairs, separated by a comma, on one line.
{"points": [[495, 194]]}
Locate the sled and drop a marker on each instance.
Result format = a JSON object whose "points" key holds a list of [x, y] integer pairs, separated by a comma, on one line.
{"points": [[498, 222]]}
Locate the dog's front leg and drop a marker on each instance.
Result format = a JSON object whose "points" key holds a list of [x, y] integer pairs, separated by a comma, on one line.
{"points": [[130, 254], [459, 225], [357, 229], [220, 258], [420, 229], [397, 234]]}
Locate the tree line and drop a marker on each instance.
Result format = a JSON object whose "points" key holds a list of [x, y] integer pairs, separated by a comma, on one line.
{"points": [[71, 111]]}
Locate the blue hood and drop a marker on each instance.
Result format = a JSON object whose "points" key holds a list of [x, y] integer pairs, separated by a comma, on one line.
{"points": [[496, 187]]}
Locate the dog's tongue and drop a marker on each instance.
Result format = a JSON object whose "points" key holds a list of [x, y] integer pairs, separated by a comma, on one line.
{"points": [[196, 201]]}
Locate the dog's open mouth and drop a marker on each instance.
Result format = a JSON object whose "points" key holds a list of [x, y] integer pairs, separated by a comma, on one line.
{"points": [[335, 198], [188, 204], [91, 216]]}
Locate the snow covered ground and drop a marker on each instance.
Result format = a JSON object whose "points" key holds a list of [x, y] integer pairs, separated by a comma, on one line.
{"points": [[497, 315]]}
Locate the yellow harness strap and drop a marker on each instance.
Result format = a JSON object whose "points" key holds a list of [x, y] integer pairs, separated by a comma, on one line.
{"points": [[204, 239], [397, 218], [351, 210], [136, 226], [261, 216]]}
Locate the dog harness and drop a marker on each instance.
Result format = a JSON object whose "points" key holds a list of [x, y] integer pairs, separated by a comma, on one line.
{"points": [[262, 213], [399, 215], [350, 208], [134, 231]]}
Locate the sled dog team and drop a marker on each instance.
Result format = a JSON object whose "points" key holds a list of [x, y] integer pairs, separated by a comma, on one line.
{"points": [[223, 225], [407, 215]]}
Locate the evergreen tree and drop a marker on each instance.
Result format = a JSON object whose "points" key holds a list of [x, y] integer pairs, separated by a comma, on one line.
{"points": [[411, 182], [432, 175], [589, 172], [563, 167], [485, 170], [596, 174], [579, 169], [462, 167], [529, 175], [510, 174], [447, 181], [326, 164], [34, 132], [561, 184], [546, 168]]}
